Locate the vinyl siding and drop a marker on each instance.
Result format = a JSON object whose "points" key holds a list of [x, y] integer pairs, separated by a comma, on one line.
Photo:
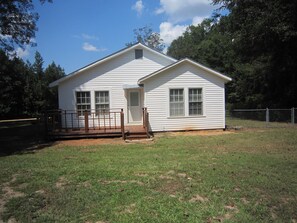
{"points": [[185, 76], [110, 75]]}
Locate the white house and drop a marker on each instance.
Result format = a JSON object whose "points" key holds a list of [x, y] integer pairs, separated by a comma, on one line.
{"points": [[178, 95]]}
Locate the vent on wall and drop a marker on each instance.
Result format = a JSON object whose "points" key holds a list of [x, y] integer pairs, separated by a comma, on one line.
{"points": [[138, 54]]}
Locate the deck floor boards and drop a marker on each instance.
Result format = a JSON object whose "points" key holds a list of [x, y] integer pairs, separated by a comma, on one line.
{"points": [[94, 133]]}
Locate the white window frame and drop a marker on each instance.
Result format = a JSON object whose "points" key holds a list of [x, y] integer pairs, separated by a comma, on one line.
{"points": [[102, 103], [197, 101], [80, 112], [183, 102], [186, 90]]}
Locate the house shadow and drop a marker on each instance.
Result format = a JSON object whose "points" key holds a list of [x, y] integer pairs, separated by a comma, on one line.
{"points": [[22, 138]]}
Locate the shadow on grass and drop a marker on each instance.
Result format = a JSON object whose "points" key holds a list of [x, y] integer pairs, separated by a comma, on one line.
{"points": [[22, 138]]}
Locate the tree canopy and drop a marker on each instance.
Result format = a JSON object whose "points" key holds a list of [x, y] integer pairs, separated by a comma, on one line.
{"points": [[255, 44], [24, 87], [146, 36], [17, 23]]}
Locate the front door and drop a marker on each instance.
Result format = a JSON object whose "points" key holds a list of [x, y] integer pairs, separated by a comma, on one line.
{"points": [[134, 106]]}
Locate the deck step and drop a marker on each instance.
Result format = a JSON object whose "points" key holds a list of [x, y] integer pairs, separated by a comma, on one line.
{"points": [[136, 135]]}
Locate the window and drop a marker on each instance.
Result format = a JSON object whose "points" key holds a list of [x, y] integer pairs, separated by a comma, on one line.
{"points": [[177, 102], [101, 102], [138, 54], [134, 98], [195, 101], [83, 102]]}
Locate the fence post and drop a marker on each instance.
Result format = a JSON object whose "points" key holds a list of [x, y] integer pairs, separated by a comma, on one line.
{"points": [[267, 116], [293, 115], [86, 121]]}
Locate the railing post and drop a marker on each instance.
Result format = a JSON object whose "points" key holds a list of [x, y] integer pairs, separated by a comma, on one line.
{"points": [[65, 113], [267, 116], [86, 121], [143, 118], [59, 118], [46, 125], [54, 121], [147, 123], [293, 115], [71, 120], [122, 124], [104, 120]]}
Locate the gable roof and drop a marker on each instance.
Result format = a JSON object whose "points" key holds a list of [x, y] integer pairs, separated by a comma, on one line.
{"points": [[186, 60], [107, 58]]}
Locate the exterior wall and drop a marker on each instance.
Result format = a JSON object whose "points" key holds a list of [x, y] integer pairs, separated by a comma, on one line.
{"points": [[110, 75], [185, 76]]}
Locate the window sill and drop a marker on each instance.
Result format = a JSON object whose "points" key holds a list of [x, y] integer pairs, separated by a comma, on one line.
{"points": [[192, 116]]}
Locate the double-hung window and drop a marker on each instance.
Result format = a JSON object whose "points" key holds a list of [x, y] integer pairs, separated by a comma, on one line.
{"points": [[177, 107], [195, 101], [101, 102], [83, 102]]}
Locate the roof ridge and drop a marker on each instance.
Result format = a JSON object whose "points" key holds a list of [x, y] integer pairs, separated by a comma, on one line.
{"points": [[55, 83], [180, 61]]}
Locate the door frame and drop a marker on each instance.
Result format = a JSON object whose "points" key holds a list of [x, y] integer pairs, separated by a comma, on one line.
{"points": [[139, 90]]}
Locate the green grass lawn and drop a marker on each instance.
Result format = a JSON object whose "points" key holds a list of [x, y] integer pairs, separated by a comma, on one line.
{"points": [[247, 176], [237, 122]]}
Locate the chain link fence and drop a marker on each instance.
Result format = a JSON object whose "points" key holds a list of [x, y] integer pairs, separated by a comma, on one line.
{"points": [[261, 118]]}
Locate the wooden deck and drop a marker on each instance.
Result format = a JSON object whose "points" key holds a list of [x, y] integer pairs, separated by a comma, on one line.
{"points": [[131, 132], [63, 124]]}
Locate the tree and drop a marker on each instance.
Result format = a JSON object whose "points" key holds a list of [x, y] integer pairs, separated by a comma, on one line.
{"points": [[39, 86], [11, 86], [205, 43], [146, 36], [24, 87], [17, 23], [255, 44], [265, 42], [52, 72], [38, 66]]}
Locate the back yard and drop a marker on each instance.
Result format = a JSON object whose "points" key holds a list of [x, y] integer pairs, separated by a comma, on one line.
{"points": [[243, 176]]}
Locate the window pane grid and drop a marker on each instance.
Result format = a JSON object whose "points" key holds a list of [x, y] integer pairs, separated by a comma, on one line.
{"points": [[83, 102], [195, 101], [176, 102], [101, 102]]}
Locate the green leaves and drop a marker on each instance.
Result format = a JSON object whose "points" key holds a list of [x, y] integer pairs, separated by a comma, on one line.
{"points": [[24, 87], [255, 44], [17, 23], [146, 36]]}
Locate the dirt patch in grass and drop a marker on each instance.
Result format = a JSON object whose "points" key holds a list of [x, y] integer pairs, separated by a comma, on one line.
{"points": [[232, 210], [196, 133], [96, 222], [61, 183], [244, 200], [172, 182], [91, 142], [8, 193], [129, 209], [170, 187], [141, 174], [121, 182], [164, 177], [198, 198]]}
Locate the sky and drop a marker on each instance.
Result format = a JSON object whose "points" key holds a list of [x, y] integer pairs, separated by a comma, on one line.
{"points": [[74, 33]]}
